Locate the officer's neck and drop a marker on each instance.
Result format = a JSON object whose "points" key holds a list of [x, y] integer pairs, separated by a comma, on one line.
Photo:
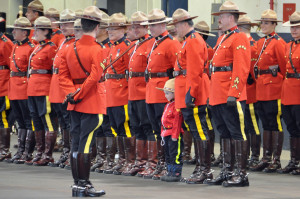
{"points": [[22, 39], [102, 37], [92, 34], [188, 30]]}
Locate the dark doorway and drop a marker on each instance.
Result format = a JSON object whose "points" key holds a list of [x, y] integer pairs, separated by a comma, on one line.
{"points": [[169, 6]]}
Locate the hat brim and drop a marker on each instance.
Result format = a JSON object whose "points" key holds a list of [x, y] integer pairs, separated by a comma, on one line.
{"points": [[167, 20], [63, 22], [272, 20], [204, 33], [162, 89], [33, 9], [251, 24], [228, 12], [83, 17], [18, 27], [288, 24], [172, 22]]}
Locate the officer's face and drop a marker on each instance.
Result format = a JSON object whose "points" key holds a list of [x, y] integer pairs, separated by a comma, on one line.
{"points": [[267, 27], [130, 33], [225, 21], [139, 30], [169, 95], [115, 33], [295, 32], [157, 29], [78, 33], [180, 29], [19, 34], [31, 16], [67, 28], [40, 34]]}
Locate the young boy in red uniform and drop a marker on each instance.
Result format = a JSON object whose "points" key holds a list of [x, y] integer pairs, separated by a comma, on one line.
{"points": [[171, 133]]}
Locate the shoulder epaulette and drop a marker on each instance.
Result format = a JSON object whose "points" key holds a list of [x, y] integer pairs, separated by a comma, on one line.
{"points": [[170, 36], [3, 39], [51, 43], [251, 43], [30, 44], [57, 32], [277, 37], [102, 46], [193, 36], [127, 42]]}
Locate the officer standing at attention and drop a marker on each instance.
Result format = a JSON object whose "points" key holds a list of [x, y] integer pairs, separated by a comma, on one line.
{"points": [[53, 15], [80, 70], [230, 68], [35, 9]]}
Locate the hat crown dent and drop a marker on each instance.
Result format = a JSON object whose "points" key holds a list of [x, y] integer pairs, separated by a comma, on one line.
{"points": [[36, 5], [22, 21], [269, 14], [139, 16], [229, 5], [295, 16], [156, 14], [202, 25], [43, 22], [117, 18], [67, 14], [92, 13]]}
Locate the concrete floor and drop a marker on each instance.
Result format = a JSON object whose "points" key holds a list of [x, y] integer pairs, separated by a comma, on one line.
{"points": [[22, 181]]}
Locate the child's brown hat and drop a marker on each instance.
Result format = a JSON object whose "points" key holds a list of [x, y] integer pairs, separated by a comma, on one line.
{"points": [[169, 86]]}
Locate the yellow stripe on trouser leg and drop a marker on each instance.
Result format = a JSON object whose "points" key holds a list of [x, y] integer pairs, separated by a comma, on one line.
{"points": [[47, 116], [242, 119], [186, 126], [4, 120], [178, 150], [7, 103], [278, 115], [90, 137], [253, 118], [198, 123], [113, 132], [208, 121], [33, 129], [126, 123]]}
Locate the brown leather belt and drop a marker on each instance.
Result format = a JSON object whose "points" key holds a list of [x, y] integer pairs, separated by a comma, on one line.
{"points": [[4, 68], [262, 72], [221, 68], [18, 74], [115, 76], [40, 71], [55, 71], [158, 75], [79, 81], [292, 75], [179, 72], [136, 74]]}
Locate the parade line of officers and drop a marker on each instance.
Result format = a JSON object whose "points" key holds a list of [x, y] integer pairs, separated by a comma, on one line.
{"points": [[105, 81]]}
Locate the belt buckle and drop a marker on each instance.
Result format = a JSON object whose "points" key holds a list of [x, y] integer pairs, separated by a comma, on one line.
{"points": [[130, 74], [106, 76], [30, 70], [174, 73]]}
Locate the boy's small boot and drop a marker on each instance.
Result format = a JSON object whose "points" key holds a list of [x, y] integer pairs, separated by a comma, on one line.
{"points": [[168, 173], [175, 174]]}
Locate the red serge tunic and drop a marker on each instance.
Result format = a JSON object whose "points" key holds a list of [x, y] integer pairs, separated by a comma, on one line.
{"points": [[251, 85]]}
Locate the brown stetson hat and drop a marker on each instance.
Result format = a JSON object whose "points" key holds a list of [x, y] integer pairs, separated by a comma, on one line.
{"points": [[36, 5], [21, 23], [156, 16], [268, 15], [91, 13], [169, 86], [138, 18], [66, 16], [42, 22], [228, 7], [78, 13], [117, 20], [105, 19], [245, 20], [203, 28], [294, 20], [180, 15], [51, 12]]}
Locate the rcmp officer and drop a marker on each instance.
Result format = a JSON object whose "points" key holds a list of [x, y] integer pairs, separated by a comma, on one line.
{"points": [[35, 9], [139, 121], [161, 60], [39, 77], [251, 115], [117, 92], [5, 51], [203, 29], [53, 15], [230, 68], [290, 97], [80, 71], [17, 91], [56, 94], [269, 71], [190, 95], [77, 29]]}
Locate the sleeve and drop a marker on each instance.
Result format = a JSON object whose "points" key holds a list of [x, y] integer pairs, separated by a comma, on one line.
{"points": [[7, 51], [95, 74], [241, 64], [280, 52], [196, 55], [177, 123], [254, 58], [65, 80]]}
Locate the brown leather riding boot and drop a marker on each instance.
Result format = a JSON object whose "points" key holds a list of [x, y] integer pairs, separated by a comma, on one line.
{"points": [[297, 171], [66, 149], [84, 187], [50, 139], [267, 152], [255, 141], [240, 178], [130, 151], [141, 158], [40, 147], [118, 169], [74, 171], [101, 153], [187, 140], [204, 159], [219, 160], [5, 143], [111, 148], [29, 148], [211, 135], [196, 171], [293, 163], [248, 146], [161, 167], [228, 163], [152, 161], [277, 141], [22, 133]]}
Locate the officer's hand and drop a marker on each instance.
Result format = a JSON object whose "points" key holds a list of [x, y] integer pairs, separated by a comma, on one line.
{"points": [[189, 100], [231, 101], [174, 139], [72, 101]]}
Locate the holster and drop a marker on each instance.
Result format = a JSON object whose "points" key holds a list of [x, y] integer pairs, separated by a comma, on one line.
{"points": [[146, 75], [127, 74], [255, 72], [170, 73], [274, 70], [250, 80]]}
